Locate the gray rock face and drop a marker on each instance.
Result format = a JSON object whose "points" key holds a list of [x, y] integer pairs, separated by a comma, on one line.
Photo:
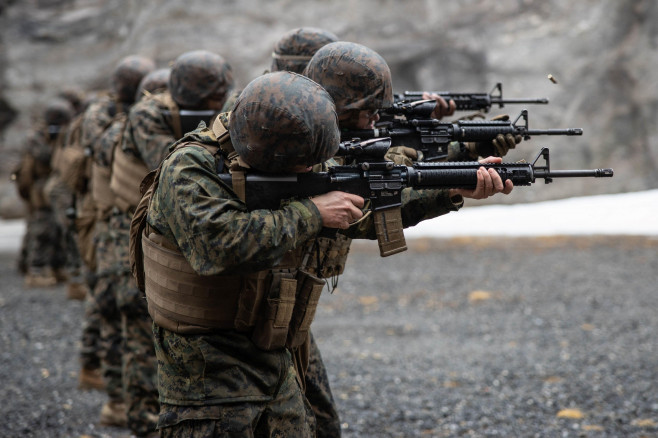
{"points": [[603, 54]]}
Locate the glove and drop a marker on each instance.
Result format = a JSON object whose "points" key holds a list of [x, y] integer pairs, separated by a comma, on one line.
{"points": [[499, 146], [503, 143], [403, 155]]}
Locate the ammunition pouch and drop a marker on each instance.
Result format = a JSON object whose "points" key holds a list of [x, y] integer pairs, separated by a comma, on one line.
{"points": [[275, 306], [309, 289], [272, 328], [325, 257]]}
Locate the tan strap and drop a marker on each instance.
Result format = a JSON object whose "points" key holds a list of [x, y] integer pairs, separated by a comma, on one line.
{"points": [[239, 182], [222, 134]]}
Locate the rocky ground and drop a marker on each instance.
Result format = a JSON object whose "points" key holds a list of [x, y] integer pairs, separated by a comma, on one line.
{"points": [[550, 337]]}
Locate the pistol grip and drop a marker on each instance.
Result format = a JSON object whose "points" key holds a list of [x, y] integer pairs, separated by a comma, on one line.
{"points": [[390, 234]]}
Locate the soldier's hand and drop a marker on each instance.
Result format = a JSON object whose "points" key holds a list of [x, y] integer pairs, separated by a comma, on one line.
{"points": [[339, 209], [442, 108], [503, 143], [499, 146], [489, 182]]}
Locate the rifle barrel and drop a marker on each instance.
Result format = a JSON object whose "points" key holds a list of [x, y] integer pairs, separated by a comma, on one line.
{"points": [[593, 173], [498, 101], [569, 131]]}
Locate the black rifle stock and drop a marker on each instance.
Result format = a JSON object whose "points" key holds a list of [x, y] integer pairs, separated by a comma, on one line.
{"points": [[432, 137], [472, 101], [381, 182]]}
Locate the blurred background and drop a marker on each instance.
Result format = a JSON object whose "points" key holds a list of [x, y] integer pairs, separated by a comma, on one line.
{"points": [[602, 53]]}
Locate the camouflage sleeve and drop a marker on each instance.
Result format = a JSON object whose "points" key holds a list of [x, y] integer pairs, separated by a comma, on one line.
{"points": [[213, 228], [457, 152], [417, 206], [105, 144], [95, 119], [148, 133]]}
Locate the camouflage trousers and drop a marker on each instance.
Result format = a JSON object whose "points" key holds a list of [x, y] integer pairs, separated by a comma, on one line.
{"points": [[288, 415], [61, 201], [105, 295], [91, 349], [139, 366], [42, 242], [319, 395]]}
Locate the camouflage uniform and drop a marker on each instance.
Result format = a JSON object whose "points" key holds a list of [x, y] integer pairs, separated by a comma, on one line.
{"points": [[291, 53], [105, 117], [220, 381], [62, 201], [147, 134], [41, 257], [102, 126], [153, 124]]}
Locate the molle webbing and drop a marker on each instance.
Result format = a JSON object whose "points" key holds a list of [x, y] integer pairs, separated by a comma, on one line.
{"points": [[101, 193], [183, 301], [127, 174]]}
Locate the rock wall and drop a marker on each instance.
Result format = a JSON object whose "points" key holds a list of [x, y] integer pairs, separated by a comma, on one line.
{"points": [[604, 54]]}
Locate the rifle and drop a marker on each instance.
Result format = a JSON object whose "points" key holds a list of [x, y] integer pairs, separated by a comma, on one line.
{"points": [[432, 137], [381, 182], [472, 101]]}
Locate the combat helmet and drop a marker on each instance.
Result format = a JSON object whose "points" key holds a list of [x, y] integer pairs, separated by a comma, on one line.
{"points": [[127, 75], [283, 120], [198, 77], [75, 96], [356, 77], [58, 112], [296, 47], [155, 81]]}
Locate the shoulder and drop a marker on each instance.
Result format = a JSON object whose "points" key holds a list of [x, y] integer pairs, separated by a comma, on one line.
{"points": [[187, 155]]}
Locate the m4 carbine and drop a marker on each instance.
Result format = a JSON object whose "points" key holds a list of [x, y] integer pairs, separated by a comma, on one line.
{"points": [[381, 182], [472, 101], [432, 137]]}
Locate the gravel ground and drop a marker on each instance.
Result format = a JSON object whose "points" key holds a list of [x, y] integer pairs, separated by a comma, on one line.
{"points": [[544, 337]]}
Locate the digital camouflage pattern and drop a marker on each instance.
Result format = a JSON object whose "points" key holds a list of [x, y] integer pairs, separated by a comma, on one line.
{"points": [[199, 76], [283, 120], [280, 411], [98, 117], [41, 250], [127, 76], [318, 393], [356, 77], [192, 209], [138, 362], [296, 47], [101, 128], [105, 308], [148, 133]]}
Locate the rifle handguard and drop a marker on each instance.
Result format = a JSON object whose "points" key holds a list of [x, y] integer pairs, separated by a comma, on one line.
{"points": [[390, 233]]}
